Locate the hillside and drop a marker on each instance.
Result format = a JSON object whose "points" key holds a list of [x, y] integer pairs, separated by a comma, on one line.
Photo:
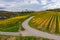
{"points": [[6, 14], [58, 10], [47, 21]]}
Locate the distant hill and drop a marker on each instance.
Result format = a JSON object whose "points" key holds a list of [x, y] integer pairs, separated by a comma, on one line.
{"points": [[58, 10], [4, 14], [12, 14]]}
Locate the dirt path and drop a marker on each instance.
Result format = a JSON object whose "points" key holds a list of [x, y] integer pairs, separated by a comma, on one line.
{"points": [[33, 32]]}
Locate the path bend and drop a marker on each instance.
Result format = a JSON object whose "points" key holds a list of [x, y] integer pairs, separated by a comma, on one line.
{"points": [[33, 32]]}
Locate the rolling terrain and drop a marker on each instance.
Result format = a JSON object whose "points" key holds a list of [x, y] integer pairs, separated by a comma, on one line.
{"points": [[47, 21]]}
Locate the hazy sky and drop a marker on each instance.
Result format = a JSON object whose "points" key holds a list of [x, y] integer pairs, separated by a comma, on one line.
{"points": [[18, 5]]}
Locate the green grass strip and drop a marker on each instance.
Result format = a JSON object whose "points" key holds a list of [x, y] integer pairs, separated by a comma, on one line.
{"points": [[57, 25]]}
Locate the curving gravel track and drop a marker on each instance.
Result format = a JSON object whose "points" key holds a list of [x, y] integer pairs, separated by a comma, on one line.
{"points": [[33, 32]]}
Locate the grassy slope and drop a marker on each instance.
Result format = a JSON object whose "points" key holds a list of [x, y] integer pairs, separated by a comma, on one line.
{"points": [[12, 24]]}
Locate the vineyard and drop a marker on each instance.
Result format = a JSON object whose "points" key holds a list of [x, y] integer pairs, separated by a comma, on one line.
{"points": [[48, 21]]}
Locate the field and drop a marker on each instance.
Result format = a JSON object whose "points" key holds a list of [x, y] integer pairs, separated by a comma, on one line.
{"points": [[46, 21], [12, 24], [31, 38], [4, 37], [11, 21]]}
